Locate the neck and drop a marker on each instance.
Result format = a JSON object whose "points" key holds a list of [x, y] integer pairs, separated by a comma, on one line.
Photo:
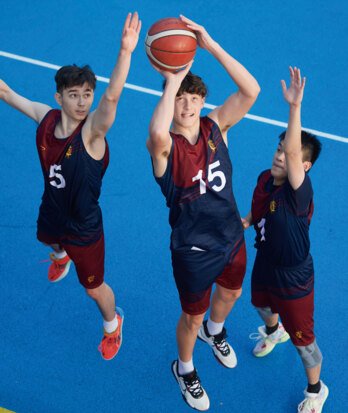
{"points": [[189, 133], [278, 182], [65, 127]]}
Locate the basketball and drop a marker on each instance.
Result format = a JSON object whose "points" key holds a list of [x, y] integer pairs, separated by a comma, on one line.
{"points": [[170, 44]]}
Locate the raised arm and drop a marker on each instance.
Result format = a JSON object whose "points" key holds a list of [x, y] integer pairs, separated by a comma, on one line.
{"points": [[159, 141], [292, 143], [101, 120], [34, 110], [238, 104]]}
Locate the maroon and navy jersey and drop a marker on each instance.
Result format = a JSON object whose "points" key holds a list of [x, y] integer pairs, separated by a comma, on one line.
{"points": [[70, 209], [281, 217], [197, 185]]}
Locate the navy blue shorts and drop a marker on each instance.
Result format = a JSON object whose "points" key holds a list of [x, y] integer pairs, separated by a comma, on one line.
{"points": [[196, 271]]}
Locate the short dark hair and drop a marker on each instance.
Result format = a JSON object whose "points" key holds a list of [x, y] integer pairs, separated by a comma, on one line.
{"points": [[191, 84], [73, 75], [311, 146]]}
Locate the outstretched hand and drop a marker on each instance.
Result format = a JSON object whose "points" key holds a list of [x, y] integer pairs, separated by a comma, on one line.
{"points": [[294, 94], [203, 38], [130, 33]]}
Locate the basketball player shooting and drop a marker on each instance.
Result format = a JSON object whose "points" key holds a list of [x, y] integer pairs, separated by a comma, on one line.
{"points": [[74, 156], [192, 166]]}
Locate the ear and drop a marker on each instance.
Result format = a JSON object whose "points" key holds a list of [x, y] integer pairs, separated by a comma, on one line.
{"points": [[307, 165], [58, 98], [203, 102]]}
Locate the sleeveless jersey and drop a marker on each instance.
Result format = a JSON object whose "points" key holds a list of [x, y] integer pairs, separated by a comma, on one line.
{"points": [[69, 210], [281, 217], [197, 185]]}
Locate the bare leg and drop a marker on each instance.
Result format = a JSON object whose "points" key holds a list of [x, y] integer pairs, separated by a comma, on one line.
{"points": [[105, 300], [222, 303], [186, 334], [313, 374]]}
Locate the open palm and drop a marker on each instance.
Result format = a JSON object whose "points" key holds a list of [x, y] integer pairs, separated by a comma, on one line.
{"points": [[294, 94], [131, 30]]}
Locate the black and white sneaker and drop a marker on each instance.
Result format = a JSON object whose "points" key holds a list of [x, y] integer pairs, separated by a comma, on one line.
{"points": [[223, 352], [191, 389]]}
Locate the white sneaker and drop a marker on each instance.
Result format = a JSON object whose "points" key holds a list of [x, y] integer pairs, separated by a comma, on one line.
{"points": [[314, 402], [191, 389], [223, 352], [266, 342]]}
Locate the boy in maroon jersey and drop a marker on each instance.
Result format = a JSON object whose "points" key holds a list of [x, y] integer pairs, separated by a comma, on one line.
{"points": [[74, 156], [191, 164], [283, 273]]}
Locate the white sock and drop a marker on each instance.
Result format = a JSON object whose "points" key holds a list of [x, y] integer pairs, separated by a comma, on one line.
{"points": [[185, 367], [60, 254], [214, 328], [110, 326]]}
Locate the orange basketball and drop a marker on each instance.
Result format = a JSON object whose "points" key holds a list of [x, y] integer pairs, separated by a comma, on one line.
{"points": [[170, 44]]}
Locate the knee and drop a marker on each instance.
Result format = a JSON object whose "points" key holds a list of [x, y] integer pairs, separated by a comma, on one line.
{"points": [[192, 322], [230, 295], [310, 355], [94, 293]]}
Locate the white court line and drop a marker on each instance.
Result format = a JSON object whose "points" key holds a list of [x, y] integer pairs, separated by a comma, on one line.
{"points": [[158, 93]]}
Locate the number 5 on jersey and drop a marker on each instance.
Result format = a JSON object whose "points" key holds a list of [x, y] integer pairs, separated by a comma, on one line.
{"points": [[56, 179], [211, 176]]}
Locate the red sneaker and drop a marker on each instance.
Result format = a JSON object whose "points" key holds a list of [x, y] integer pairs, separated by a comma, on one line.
{"points": [[59, 268], [111, 342]]}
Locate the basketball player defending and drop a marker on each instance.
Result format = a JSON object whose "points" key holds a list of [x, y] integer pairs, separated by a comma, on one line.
{"points": [[283, 274], [191, 164], [74, 156]]}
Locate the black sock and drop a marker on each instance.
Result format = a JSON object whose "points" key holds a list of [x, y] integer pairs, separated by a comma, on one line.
{"points": [[270, 330], [314, 388]]}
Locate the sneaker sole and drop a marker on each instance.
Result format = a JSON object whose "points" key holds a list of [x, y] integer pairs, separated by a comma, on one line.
{"points": [[181, 391], [270, 349], [64, 274], [119, 311]]}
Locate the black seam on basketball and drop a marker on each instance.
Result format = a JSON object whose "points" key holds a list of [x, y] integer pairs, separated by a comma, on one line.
{"points": [[166, 51]]}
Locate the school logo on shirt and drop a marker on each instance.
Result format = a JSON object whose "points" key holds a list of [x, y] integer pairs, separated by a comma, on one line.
{"points": [[91, 278], [42, 148], [272, 206], [299, 334], [211, 145], [68, 152]]}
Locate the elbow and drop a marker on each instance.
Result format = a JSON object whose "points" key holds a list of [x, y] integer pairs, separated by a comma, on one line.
{"points": [[252, 92], [157, 136], [255, 91]]}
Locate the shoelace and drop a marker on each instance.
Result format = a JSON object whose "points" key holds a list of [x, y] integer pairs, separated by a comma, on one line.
{"points": [[255, 336], [310, 405], [194, 385], [221, 344], [108, 340]]}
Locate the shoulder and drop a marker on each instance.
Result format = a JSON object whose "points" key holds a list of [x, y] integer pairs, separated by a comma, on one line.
{"points": [[306, 185], [51, 118], [264, 176]]}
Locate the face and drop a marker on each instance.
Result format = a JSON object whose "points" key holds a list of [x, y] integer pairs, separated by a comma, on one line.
{"points": [[76, 101], [279, 170], [187, 109]]}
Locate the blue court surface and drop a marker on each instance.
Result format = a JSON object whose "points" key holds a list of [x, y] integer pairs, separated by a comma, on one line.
{"points": [[50, 332]]}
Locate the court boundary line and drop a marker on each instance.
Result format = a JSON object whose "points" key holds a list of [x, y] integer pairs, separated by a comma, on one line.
{"points": [[256, 118]]}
